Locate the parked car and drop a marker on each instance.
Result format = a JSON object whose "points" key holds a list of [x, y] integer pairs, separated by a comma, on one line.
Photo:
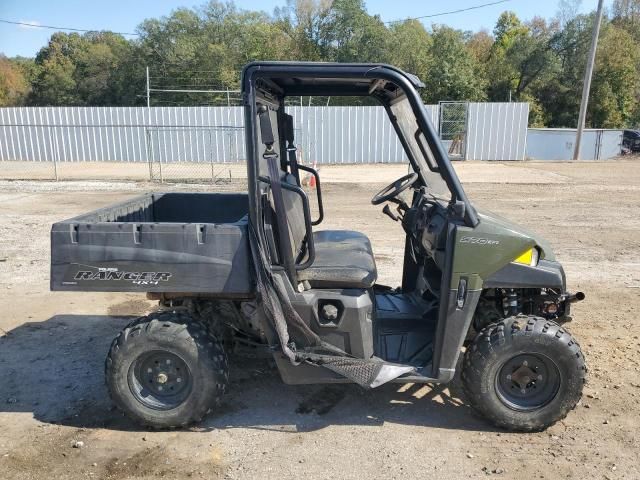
{"points": [[631, 140]]}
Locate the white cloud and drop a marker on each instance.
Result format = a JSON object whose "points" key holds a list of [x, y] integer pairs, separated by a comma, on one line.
{"points": [[31, 24]]}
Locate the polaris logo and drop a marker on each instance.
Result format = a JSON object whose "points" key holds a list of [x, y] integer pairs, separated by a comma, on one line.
{"points": [[479, 241], [114, 274]]}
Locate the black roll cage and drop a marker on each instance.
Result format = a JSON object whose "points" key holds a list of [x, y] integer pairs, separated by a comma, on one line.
{"points": [[340, 79]]}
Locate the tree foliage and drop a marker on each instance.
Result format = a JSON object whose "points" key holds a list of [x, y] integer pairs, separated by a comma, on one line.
{"points": [[452, 69], [538, 61], [88, 69], [15, 75]]}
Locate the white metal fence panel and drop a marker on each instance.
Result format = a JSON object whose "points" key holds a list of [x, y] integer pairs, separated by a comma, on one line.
{"points": [[215, 134], [194, 134], [348, 134], [610, 144], [345, 135], [497, 131], [558, 144], [76, 134]]}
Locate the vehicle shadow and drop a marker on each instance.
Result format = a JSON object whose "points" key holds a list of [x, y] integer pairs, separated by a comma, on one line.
{"points": [[55, 369]]}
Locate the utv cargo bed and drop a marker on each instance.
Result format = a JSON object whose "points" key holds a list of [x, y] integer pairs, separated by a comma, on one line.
{"points": [[159, 242]]}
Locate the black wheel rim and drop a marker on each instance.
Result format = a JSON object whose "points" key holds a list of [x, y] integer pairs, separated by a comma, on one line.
{"points": [[528, 382], [160, 380]]}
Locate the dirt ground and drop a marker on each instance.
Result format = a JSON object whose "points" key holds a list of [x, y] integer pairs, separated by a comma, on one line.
{"points": [[52, 348]]}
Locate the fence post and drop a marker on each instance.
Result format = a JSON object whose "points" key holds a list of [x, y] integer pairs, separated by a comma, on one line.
{"points": [[211, 158], [599, 134], [147, 145], [55, 167], [466, 131], [56, 155]]}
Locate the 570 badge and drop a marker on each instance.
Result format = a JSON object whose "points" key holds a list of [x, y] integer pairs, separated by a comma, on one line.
{"points": [[479, 241]]}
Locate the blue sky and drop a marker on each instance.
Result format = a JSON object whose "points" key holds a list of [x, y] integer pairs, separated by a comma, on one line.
{"points": [[125, 15]]}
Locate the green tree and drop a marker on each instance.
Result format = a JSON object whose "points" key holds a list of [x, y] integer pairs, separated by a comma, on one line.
{"points": [[99, 74], [507, 29], [409, 47], [479, 45], [208, 47], [451, 69], [14, 82], [304, 22], [537, 61], [626, 14], [560, 96], [350, 34], [84, 69], [520, 56], [55, 83], [613, 99], [614, 93]]}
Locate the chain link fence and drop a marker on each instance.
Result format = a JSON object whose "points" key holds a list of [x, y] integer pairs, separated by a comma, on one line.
{"points": [[453, 127], [178, 154], [196, 154], [179, 144], [26, 158]]}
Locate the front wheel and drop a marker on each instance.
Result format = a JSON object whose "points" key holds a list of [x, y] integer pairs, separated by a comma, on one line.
{"points": [[524, 373], [166, 370]]}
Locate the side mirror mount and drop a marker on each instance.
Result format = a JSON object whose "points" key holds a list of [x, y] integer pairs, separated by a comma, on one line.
{"points": [[458, 209]]}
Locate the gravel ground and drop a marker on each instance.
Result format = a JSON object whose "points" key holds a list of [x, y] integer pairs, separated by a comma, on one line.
{"points": [[52, 347]]}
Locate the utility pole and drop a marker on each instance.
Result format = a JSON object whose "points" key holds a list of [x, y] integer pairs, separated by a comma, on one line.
{"points": [[148, 91], [586, 86]]}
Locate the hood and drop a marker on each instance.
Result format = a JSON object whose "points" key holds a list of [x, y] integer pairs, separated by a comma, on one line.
{"points": [[497, 223]]}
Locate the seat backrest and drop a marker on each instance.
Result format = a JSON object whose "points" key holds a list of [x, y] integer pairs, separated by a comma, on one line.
{"points": [[295, 219]]}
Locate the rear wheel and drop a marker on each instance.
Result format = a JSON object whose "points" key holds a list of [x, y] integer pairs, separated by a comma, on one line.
{"points": [[524, 373], [166, 370]]}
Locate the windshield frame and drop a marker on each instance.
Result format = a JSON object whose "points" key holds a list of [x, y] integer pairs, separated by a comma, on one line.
{"points": [[416, 147], [445, 167]]}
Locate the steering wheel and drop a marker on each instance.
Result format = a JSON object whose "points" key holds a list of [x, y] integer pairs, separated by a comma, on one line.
{"points": [[394, 189]]}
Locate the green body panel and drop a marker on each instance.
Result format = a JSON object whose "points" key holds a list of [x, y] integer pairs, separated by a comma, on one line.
{"points": [[492, 244]]}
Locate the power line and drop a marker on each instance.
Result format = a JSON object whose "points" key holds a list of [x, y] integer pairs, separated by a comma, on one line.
{"points": [[33, 25], [450, 12], [475, 7]]}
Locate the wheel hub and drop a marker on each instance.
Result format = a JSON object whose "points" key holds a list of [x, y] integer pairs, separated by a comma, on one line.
{"points": [[528, 382], [525, 377], [160, 380]]}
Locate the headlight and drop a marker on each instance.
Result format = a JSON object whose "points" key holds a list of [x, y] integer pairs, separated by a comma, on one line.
{"points": [[530, 257]]}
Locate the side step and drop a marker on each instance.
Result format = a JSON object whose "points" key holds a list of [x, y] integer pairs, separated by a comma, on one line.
{"points": [[366, 373]]}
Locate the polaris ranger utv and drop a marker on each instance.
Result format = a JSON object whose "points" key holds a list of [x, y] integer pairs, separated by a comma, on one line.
{"points": [[252, 272]]}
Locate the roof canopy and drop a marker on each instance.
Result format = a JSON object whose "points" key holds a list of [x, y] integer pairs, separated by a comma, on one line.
{"points": [[318, 78]]}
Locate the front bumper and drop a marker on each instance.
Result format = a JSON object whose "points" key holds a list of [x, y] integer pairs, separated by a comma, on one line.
{"points": [[547, 274]]}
